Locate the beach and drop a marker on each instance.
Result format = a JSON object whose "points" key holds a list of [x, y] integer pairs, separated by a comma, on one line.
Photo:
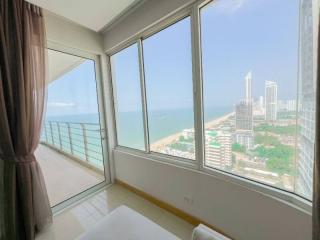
{"points": [[165, 141]]}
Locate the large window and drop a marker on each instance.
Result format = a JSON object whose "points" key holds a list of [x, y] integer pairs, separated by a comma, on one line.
{"points": [[126, 80], [250, 78], [255, 99], [168, 76]]}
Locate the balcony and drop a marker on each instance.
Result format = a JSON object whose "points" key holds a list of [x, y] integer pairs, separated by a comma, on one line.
{"points": [[70, 155]]}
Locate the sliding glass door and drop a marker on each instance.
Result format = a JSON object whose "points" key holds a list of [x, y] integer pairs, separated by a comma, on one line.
{"points": [[72, 152]]}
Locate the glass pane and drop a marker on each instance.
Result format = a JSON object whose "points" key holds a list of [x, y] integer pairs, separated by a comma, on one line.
{"points": [[250, 76], [126, 79], [70, 153], [168, 76], [307, 93]]}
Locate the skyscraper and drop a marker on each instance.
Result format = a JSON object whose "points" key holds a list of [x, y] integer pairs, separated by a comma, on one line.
{"points": [[248, 83], [244, 116], [271, 100], [307, 91]]}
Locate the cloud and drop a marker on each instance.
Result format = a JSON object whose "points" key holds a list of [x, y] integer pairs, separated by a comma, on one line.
{"points": [[237, 4], [230, 6], [61, 104]]}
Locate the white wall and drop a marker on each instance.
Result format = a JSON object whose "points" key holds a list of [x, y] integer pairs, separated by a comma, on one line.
{"points": [[240, 212], [66, 33]]}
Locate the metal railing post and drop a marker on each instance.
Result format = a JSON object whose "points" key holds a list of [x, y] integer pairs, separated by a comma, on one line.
{"points": [[51, 133], [85, 141], [59, 135], [45, 132], [87, 135], [70, 138]]}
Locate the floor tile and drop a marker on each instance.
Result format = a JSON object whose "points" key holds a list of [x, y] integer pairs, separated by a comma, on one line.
{"points": [[73, 221]]}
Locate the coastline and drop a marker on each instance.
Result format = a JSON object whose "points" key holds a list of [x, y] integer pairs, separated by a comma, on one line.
{"points": [[165, 141]]}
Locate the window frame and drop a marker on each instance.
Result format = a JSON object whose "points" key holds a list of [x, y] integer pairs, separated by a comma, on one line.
{"points": [[180, 18], [142, 94], [138, 39], [192, 10]]}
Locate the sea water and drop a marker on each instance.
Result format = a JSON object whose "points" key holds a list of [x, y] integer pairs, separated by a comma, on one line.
{"points": [[162, 123]]}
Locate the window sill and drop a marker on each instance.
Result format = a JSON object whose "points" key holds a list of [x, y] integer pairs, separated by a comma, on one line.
{"points": [[278, 194]]}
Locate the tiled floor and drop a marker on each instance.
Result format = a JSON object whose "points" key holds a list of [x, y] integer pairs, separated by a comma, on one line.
{"points": [[70, 223], [64, 177]]}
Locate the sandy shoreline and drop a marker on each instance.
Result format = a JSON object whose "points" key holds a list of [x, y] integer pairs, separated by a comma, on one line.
{"points": [[166, 140]]}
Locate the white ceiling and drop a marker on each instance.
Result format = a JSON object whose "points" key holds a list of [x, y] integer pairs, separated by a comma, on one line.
{"points": [[61, 63], [93, 14]]}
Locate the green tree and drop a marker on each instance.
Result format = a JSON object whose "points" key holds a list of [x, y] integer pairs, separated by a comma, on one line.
{"points": [[282, 130], [266, 140], [236, 147], [279, 158], [280, 165], [181, 138]]}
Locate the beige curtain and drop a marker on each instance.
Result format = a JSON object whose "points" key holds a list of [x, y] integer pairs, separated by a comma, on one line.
{"points": [[24, 204]]}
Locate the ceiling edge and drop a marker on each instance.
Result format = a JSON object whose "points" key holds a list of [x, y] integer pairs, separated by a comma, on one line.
{"points": [[122, 15], [68, 20]]}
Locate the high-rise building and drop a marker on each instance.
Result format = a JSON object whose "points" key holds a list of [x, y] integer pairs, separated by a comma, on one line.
{"points": [[244, 117], [218, 149], [224, 139], [286, 105], [244, 138], [307, 92], [248, 84], [271, 100], [258, 107], [261, 105]]}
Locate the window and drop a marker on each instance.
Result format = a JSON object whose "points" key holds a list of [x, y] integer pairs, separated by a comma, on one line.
{"points": [[168, 77], [250, 77], [128, 105], [258, 100]]}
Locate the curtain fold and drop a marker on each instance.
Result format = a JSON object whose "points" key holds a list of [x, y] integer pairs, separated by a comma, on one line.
{"points": [[23, 196], [316, 168]]}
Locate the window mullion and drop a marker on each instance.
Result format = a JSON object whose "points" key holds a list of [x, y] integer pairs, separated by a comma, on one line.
{"points": [[197, 87], [143, 97]]}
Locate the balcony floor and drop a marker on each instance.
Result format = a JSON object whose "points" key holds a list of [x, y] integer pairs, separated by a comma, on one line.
{"points": [[64, 177]]}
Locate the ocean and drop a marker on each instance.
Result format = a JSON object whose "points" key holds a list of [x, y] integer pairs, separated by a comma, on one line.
{"points": [[162, 123], [76, 145]]}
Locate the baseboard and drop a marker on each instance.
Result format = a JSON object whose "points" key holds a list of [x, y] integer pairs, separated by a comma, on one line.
{"points": [[183, 215]]}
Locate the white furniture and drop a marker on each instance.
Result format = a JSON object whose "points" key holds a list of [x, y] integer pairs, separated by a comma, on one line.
{"points": [[203, 232], [124, 223]]}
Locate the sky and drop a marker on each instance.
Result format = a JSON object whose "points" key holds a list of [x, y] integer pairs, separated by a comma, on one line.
{"points": [[74, 92], [237, 36], [243, 35]]}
